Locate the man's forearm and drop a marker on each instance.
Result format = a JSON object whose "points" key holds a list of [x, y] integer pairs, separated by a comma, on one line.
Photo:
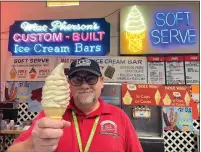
{"points": [[22, 146]]}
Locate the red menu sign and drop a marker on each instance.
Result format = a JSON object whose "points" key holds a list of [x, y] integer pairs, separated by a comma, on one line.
{"points": [[155, 95], [176, 96], [139, 94]]}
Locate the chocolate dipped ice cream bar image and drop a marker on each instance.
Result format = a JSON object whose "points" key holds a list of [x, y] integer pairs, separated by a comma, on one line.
{"points": [[109, 72]]}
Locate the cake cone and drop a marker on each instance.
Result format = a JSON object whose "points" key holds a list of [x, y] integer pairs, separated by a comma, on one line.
{"points": [[54, 112]]}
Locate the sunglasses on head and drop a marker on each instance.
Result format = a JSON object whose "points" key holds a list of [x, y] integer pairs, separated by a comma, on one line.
{"points": [[77, 80]]}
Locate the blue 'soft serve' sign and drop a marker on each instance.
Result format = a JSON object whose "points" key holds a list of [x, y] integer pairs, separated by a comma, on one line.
{"points": [[173, 28]]}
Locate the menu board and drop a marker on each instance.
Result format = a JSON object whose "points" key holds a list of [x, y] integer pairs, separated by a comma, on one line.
{"points": [[29, 68], [117, 69], [192, 66], [156, 95], [175, 70], [177, 118], [156, 70]]}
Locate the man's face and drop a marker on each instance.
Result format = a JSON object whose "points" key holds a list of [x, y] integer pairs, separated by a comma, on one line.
{"points": [[85, 87]]}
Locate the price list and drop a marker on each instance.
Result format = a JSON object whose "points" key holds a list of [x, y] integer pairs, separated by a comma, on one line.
{"points": [[156, 70], [192, 65], [175, 70]]}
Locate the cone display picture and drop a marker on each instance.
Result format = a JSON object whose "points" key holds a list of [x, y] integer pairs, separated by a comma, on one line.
{"points": [[127, 99], [157, 97]]}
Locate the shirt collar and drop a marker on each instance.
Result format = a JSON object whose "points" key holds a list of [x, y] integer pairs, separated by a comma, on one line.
{"points": [[103, 108]]}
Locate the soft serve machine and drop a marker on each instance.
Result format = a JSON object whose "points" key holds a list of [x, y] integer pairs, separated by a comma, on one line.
{"points": [[147, 120]]}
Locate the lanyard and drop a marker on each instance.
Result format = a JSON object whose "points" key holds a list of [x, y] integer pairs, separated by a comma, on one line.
{"points": [[78, 133]]}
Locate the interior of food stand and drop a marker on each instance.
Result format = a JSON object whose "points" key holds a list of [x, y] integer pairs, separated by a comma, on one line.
{"points": [[137, 97]]}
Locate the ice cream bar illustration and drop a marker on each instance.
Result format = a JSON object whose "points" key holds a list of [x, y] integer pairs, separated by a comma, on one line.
{"points": [[127, 98], [13, 73], [56, 93], [32, 73], [109, 72], [135, 30]]}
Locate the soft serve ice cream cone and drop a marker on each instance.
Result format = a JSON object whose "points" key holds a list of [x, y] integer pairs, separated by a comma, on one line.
{"points": [[135, 30], [56, 93]]}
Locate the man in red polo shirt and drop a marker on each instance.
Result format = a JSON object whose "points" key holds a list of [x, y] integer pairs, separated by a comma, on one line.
{"points": [[88, 125]]}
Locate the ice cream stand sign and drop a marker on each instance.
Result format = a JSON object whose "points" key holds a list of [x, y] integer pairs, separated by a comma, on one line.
{"points": [[150, 30], [117, 69], [60, 37], [29, 68]]}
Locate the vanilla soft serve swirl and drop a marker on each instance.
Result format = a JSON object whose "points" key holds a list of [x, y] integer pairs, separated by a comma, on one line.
{"points": [[135, 21], [56, 92]]}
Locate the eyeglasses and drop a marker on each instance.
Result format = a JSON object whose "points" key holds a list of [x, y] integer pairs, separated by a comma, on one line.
{"points": [[78, 80]]}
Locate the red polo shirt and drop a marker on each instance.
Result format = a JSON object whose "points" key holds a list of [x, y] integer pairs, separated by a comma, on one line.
{"points": [[114, 133]]}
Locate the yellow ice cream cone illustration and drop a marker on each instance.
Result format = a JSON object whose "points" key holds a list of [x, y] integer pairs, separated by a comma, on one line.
{"points": [[127, 98], [157, 97], [187, 99], [13, 73], [167, 100], [135, 30]]}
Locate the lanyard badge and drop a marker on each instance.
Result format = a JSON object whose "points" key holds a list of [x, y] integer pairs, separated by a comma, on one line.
{"points": [[78, 133]]}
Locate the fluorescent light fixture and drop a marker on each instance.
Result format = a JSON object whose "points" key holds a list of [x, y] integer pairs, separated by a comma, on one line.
{"points": [[51, 3]]}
